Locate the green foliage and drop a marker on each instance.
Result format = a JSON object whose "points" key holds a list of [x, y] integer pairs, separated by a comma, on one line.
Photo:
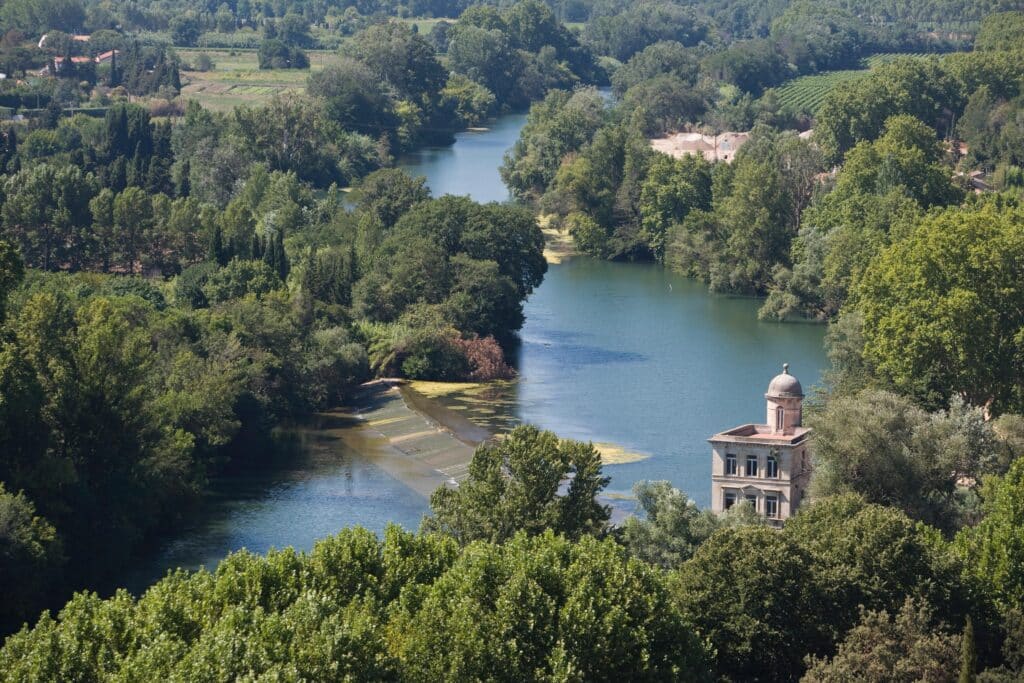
{"points": [[240, 278], [993, 550], [870, 557], [926, 299], [276, 54], [513, 486], [30, 558], [746, 592], [885, 448], [904, 647], [877, 196], [356, 608], [1000, 31], [673, 526], [968, 655], [672, 188], [561, 124]]}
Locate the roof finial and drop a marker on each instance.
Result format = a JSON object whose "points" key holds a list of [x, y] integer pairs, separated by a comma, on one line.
{"points": [[785, 368]]}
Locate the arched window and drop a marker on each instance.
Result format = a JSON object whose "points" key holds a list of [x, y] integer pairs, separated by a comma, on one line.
{"points": [[780, 415]]}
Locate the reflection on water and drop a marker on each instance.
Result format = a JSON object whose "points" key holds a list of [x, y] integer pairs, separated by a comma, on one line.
{"points": [[470, 166], [321, 485]]}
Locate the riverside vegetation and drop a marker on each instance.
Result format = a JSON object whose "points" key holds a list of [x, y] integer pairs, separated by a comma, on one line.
{"points": [[169, 294]]}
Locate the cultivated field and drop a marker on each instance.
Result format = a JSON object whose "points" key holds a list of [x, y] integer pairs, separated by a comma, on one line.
{"points": [[237, 78], [808, 92]]}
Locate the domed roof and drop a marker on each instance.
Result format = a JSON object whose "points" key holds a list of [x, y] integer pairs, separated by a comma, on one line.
{"points": [[785, 385]]}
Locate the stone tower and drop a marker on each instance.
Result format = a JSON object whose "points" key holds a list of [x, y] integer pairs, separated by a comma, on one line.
{"points": [[766, 465]]}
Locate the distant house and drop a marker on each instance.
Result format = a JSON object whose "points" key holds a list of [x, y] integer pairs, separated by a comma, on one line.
{"points": [[80, 37], [102, 58], [721, 147]]}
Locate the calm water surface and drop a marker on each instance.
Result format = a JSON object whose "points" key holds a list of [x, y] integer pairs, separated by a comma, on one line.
{"points": [[623, 353], [470, 166]]}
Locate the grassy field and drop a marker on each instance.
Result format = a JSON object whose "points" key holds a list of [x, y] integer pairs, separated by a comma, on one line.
{"points": [[808, 92], [424, 26], [237, 78]]}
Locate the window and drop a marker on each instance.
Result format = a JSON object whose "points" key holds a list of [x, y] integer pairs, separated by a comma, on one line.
{"points": [[730, 464], [771, 467], [780, 415], [771, 506], [730, 500], [751, 465], [753, 502]]}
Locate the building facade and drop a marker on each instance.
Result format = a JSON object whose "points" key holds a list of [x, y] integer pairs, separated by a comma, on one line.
{"points": [[767, 465]]}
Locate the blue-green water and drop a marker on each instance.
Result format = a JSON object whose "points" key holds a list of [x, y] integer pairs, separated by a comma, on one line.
{"points": [[612, 352], [638, 356], [470, 166]]}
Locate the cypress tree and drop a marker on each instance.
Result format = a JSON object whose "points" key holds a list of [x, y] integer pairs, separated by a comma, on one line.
{"points": [[283, 267], [968, 654], [216, 251], [183, 186], [309, 274], [255, 248]]}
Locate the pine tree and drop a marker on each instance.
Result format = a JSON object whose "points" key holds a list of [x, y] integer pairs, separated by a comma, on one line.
{"points": [[968, 654]]}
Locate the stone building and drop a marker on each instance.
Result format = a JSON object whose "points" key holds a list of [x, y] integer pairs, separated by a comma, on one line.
{"points": [[765, 464]]}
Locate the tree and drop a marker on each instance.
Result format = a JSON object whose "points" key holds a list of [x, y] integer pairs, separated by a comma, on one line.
{"points": [[543, 608], [240, 278], [885, 448], [275, 54], [968, 655], [46, 213], [514, 486], [185, 30], [872, 557], [672, 189], [389, 193], [750, 593], [560, 124], [1000, 31], [30, 558], [401, 59], [673, 526], [133, 215], [924, 299], [354, 97], [993, 550], [902, 648], [12, 271]]}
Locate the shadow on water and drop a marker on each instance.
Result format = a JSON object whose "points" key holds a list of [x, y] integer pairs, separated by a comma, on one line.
{"points": [[315, 484]]}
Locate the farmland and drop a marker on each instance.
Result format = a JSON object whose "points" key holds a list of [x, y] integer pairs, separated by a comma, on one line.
{"points": [[805, 94], [237, 79]]}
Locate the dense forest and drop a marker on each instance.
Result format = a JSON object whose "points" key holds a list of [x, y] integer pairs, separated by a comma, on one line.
{"points": [[795, 217], [176, 282]]}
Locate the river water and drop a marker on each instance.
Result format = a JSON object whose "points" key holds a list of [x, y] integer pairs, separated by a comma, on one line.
{"points": [[629, 354]]}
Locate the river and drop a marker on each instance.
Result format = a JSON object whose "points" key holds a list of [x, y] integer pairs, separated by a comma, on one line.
{"points": [[628, 354]]}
